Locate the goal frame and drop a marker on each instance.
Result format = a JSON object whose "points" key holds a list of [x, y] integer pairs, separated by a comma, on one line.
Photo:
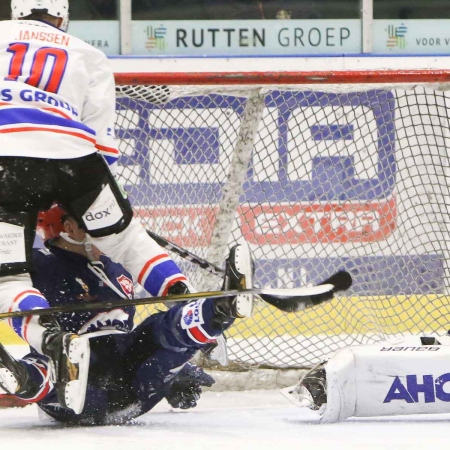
{"points": [[368, 79]]}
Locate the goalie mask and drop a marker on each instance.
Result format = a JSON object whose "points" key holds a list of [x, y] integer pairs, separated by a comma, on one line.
{"points": [[50, 223], [56, 8]]}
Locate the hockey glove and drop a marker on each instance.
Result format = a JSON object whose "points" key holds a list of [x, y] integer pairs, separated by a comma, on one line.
{"points": [[186, 388]]}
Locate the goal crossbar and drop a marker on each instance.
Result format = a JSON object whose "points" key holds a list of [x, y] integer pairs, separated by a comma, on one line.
{"points": [[284, 77]]}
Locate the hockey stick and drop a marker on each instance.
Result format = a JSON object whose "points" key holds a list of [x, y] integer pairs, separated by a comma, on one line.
{"points": [[216, 270], [185, 254], [288, 300]]}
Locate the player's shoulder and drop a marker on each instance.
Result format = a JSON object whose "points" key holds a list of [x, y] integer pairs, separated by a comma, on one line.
{"points": [[43, 255], [111, 265]]}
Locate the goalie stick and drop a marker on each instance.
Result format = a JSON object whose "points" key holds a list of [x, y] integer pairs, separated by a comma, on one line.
{"points": [[288, 300]]}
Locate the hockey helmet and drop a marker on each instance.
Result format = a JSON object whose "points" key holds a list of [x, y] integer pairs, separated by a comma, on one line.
{"points": [[50, 223], [56, 8]]}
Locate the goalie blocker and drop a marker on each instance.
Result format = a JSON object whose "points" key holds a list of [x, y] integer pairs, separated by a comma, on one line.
{"points": [[403, 377]]}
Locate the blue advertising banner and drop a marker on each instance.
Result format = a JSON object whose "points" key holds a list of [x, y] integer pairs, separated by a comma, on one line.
{"points": [[328, 178]]}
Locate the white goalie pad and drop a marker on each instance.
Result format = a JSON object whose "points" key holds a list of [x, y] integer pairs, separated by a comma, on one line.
{"points": [[396, 378]]}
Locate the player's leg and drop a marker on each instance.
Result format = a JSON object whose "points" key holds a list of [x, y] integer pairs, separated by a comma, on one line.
{"points": [[164, 342], [27, 378], [102, 208], [197, 323], [108, 388], [28, 184], [68, 352], [153, 355]]}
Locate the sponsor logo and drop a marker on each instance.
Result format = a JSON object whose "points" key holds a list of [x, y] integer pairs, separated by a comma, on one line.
{"points": [[396, 36], [156, 38], [201, 36], [188, 317], [422, 348], [279, 224], [191, 316], [12, 243], [104, 212], [409, 389], [298, 224], [310, 159], [126, 285], [99, 215]]}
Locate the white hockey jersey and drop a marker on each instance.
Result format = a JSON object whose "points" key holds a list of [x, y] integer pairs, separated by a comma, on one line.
{"points": [[57, 94]]}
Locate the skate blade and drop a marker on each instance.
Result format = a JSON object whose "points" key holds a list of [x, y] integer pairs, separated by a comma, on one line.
{"points": [[75, 391], [244, 265], [8, 381], [302, 400]]}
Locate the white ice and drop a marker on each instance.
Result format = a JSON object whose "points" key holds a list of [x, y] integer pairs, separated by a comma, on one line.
{"points": [[260, 420]]}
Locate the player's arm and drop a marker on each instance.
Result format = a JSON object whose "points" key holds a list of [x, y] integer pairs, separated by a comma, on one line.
{"points": [[99, 107], [186, 388]]}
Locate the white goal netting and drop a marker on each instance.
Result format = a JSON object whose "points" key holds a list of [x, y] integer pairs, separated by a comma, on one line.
{"points": [[316, 178]]}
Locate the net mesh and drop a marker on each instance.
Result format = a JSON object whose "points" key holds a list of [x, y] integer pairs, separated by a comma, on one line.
{"points": [[315, 179]]}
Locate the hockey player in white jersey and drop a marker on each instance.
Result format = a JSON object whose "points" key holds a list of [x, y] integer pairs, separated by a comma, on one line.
{"points": [[399, 377], [57, 110]]}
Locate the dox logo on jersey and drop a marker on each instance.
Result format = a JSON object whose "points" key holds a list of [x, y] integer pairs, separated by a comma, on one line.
{"points": [[104, 212], [314, 151], [408, 390]]}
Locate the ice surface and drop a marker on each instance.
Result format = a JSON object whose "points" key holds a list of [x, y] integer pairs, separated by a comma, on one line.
{"points": [[259, 420]]}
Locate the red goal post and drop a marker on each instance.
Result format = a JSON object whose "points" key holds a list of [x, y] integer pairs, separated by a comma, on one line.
{"points": [[317, 171]]}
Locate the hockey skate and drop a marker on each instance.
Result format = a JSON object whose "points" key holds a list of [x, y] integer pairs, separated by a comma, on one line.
{"points": [[14, 378], [239, 272], [69, 356], [311, 390]]}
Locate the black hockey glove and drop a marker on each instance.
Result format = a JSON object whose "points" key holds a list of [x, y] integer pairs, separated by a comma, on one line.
{"points": [[186, 388]]}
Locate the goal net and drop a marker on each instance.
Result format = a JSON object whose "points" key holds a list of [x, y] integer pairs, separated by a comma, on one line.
{"points": [[317, 172]]}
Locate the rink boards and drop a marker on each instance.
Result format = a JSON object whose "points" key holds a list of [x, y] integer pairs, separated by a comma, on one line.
{"points": [[356, 316]]}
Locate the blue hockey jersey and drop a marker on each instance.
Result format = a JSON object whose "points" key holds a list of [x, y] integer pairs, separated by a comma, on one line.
{"points": [[66, 278]]}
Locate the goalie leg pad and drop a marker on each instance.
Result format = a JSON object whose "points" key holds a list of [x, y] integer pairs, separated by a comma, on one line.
{"points": [[386, 380]]}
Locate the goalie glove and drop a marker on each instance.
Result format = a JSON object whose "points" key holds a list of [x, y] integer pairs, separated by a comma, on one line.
{"points": [[187, 386]]}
